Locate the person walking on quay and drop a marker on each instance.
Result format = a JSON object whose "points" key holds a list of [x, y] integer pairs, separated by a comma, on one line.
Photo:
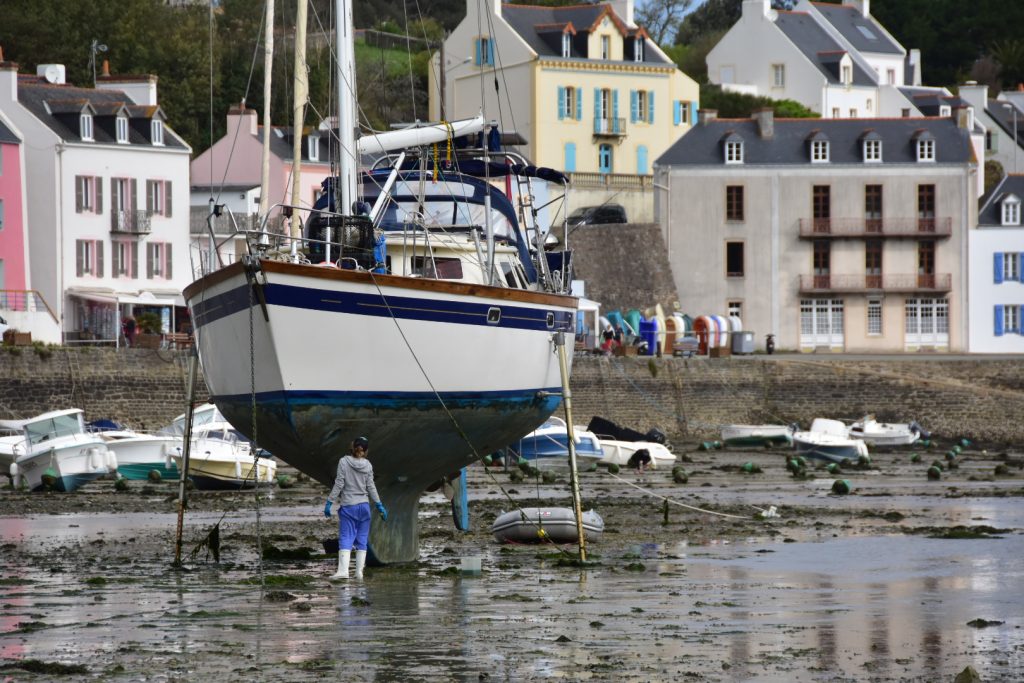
{"points": [[353, 490]]}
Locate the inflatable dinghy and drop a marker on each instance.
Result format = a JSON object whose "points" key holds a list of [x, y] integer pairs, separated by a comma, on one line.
{"points": [[558, 524]]}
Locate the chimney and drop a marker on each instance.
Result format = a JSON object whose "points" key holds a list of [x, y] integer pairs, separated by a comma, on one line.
{"points": [[965, 118], [106, 68], [8, 80], [765, 119], [974, 94], [139, 89], [862, 6], [624, 10], [757, 9], [241, 116], [706, 116]]}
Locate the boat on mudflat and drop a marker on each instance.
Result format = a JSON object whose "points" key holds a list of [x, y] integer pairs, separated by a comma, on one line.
{"points": [[741, 436], [550, 443], [829, 440], [53, 451], [885, 434], [539, 524]]}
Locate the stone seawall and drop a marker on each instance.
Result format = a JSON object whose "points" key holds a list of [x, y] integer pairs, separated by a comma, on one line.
{"points": [[689, 398]]}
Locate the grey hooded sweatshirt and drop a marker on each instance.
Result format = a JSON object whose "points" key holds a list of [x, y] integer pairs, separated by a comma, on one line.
{"points": [[354, 482]]}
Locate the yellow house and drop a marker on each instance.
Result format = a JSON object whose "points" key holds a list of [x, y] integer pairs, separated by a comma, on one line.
{"points": [[587, 88]]}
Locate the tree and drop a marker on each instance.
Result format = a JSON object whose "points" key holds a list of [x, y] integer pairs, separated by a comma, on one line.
{"points": [[732, 105], [661, 18], [714, 16], [993, 174]]}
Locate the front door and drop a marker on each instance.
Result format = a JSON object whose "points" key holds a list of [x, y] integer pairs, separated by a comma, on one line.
{"points": [[604, 159]]}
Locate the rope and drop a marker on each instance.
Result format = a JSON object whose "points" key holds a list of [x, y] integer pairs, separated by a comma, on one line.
{"points": [[684, 505], [254, 448]]}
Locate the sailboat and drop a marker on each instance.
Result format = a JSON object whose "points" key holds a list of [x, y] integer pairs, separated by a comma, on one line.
{"points": [[427, 324]]}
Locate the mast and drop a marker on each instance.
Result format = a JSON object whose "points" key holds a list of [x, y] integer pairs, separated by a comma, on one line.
{"points": [[268, 64], [348, 161], [298, 117]]}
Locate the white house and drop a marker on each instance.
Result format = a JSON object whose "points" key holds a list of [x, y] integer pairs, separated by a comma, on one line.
{"points": [[996, 250], [107, 192], [1000, 116], [834, 59]]}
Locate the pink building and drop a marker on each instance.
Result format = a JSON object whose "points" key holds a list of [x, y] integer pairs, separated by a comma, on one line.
{"points": [[14, 271]]}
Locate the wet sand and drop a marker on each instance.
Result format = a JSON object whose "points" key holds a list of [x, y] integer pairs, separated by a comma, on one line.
{"points": [[879, 585]]}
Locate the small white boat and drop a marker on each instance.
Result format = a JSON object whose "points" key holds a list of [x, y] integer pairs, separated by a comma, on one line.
{"points": [[551, 440], [619, 453], [53, 451], [757, 435], [885, 434], [138, 453], [534, 525], [829, 440], [220, 456]]}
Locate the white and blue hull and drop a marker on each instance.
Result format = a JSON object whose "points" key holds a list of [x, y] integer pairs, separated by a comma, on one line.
{"points": [[76, 461], [435, 373]]}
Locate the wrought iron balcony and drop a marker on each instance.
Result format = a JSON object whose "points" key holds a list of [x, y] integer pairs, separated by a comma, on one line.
{"points": [[610, 127], [905, 227], [937, 283], [130, 222]]}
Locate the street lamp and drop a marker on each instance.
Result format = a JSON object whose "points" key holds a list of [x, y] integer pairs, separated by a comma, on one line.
{"points": [[96, 46], [1010, 105]]}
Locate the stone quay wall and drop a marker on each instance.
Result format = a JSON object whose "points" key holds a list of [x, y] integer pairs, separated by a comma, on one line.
{"points": [[981, 399]]}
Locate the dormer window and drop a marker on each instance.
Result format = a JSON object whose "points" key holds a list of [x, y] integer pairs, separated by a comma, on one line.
{"points": [[945, 110], [313, 147], [85, 127], [121, 126], [566, 45], [156, 130], [606, 47], [819, 151], [1011, 211], [926, 149], [734, 151], [847, 74], [638, 50], [872, 150]]}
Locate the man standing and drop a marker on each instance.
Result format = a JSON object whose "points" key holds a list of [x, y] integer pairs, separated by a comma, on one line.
{"points": [[353, 490]]}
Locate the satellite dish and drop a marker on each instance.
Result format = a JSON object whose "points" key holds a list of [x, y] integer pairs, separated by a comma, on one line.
{"points": [[52, 74]]}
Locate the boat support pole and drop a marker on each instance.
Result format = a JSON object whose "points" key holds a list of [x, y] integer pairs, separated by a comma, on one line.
{"points": [[574, 476], [193, 364]]}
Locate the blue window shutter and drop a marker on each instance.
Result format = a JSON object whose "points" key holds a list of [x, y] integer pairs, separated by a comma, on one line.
{"points": [[641, 160], [998, 268], [693, 113], [570, 157], [677, 114], [476, 44], [615, 105], [999, 321], [579, 104], [634, 105], [561, 102], [490, 52], [597, 103], [650, 106]]}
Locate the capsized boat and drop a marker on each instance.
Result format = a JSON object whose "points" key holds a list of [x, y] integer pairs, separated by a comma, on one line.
{"points": [[740, 435], [884, 434], [536, 525], [828, 440], [53, 451], [551, 441]]}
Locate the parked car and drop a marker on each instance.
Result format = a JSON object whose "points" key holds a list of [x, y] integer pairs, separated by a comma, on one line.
{"points": [[595, 215]]}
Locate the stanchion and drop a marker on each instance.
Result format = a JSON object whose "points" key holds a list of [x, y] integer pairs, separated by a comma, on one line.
{"points": [[193, 364], [574, 478]]}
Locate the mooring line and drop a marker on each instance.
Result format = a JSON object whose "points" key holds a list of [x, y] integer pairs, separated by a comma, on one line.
{"points": [[682, 505]]}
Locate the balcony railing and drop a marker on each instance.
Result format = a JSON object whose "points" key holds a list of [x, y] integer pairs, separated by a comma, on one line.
{"points": [[819, 228], [611, 127], [24, 300], [897, 283], [222, 224], [618, 181], [130, 222]]}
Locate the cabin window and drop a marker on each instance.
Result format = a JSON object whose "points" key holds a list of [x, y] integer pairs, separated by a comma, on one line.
{"points": [[510, 275], [441, 268], [493, 315]]}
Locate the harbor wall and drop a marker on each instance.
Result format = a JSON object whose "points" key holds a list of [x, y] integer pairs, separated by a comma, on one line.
{"points": [[981, 399]]}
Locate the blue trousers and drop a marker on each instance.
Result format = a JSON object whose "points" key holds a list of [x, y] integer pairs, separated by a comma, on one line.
{"points": [[353, 526]]}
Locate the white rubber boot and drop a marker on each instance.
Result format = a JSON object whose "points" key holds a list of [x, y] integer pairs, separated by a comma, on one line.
{"points": [[360, 563], [344, 557]]}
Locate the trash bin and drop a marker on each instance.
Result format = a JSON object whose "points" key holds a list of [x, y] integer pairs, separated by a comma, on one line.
{"points": [[742, 342], [649, 333]]}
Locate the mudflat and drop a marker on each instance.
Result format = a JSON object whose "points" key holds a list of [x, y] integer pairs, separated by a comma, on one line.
{"points": [[905, 578]]}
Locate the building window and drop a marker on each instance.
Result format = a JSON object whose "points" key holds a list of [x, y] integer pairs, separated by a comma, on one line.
{"points": [[1007, 320], [734, 309], [638, 50], [835, 112], [681, 112], [121, 259], [821, 261], [890, 76], [1007, 266], [158, 261], [313, 147], [566, 45], [873, 208], [484, 52], [821, 207], [853, 113], [88, 193], [874, 317], [734, 203], [870, 105], [156, 131], [926, 150], [641, 103], [606, 47], [847, 74], [570, 103], [158, 197], [734, 152], [121, 125], [926, 208], [89, 258], [641, 160], [872, 150], [734, 259], [778, 75], [85, 127], [873, 264], [905, 113], [570, 157], [1011, 212], [926, 264], [819, 151]]}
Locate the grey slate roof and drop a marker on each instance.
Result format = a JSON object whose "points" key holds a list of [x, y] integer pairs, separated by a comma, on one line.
{"points": [[818, 46], [536, 25], [702, 144], [65, 103], [991, 213], [7, 135], [1004, 118], [929, 100], [862, 32], [281, 144]]}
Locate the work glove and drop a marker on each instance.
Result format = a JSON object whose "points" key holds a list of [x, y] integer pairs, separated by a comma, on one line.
{"points": [[327, 510], [383, 512]]}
